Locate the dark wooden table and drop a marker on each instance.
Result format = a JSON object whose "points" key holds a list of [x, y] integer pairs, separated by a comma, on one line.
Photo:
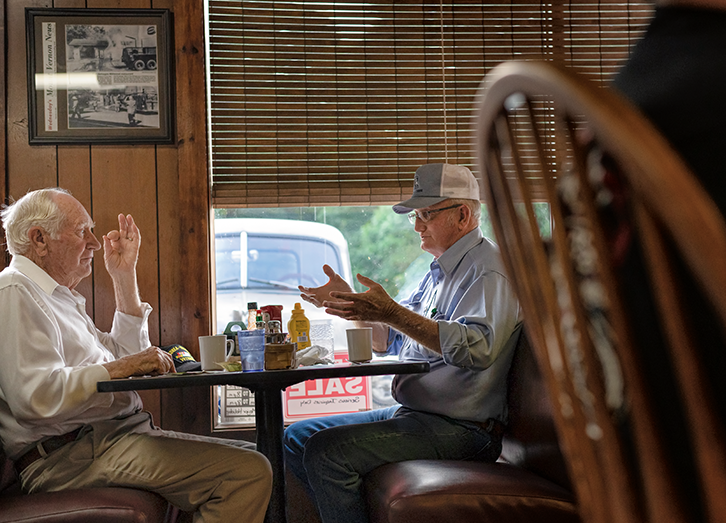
{"points": [[267, 387]]}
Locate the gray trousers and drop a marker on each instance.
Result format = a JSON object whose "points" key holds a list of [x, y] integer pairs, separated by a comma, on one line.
{"points": [[218, 479]]}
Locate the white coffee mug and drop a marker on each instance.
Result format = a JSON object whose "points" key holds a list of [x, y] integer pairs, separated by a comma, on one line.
{"points": [[213, 350], [360, 344]]}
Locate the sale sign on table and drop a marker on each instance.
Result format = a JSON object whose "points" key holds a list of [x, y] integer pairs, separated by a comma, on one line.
{"points": [[314, 398]]}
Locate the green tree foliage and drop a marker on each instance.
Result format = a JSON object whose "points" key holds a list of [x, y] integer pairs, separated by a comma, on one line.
{"points": [[385, 247]]}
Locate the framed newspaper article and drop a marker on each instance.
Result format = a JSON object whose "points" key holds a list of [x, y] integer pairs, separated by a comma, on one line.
{"points": [[100, 76]]}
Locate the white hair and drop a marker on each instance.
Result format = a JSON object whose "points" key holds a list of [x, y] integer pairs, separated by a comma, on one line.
{"points": [[36, 209], [473, 205]]}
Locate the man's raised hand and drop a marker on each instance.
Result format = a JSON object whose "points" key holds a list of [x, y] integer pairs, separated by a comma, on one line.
{"points": [[318, 295], [374, 305], [121, 247]]}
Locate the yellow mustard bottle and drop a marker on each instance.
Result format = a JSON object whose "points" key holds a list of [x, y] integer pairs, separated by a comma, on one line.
{"points": [[299, 328]]}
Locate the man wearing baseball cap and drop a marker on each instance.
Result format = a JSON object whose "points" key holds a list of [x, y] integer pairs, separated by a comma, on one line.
{"points": [[464, 319]]}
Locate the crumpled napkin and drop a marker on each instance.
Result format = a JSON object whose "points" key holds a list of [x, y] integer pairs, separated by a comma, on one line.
{"points": [[314, 355]]}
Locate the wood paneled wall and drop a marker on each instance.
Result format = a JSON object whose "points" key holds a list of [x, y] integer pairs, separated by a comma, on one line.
{"points": [[165, 188]]}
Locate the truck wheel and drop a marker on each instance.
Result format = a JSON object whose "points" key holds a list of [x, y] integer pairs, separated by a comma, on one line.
{"points": [[151, 64], [139, 65]]}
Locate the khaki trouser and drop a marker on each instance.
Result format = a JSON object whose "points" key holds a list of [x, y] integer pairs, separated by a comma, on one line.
{"points": [[218, 479]]}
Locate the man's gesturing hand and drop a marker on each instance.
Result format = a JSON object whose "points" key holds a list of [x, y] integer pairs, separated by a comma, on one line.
{"points": [[373, 305], [121, 247], [151, 361], [318, 295]]}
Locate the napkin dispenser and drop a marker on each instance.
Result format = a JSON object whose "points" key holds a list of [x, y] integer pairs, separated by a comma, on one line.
{"points": [[280, 356]]}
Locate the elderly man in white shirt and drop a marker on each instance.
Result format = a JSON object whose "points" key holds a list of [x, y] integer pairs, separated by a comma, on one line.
{"points": [[60, 432]]}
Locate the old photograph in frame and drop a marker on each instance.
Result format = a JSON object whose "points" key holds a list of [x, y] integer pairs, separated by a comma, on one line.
{"points": [[100, 76]]}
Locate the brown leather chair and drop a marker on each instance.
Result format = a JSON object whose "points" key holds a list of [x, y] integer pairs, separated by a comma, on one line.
{"points": [[528, 483], [96, 505]]}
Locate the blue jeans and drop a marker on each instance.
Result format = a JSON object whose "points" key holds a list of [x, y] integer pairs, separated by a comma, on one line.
{"points": [[332, 455]]}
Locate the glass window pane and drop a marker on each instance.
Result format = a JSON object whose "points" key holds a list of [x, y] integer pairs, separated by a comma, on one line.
{"points": [[262, 255]]}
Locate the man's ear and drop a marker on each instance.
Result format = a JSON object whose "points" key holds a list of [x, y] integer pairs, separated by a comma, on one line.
{"points": [[38, 241], [464, 215]]}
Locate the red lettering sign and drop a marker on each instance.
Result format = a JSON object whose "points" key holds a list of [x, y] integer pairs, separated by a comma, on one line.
{"points": [[324, 397]]}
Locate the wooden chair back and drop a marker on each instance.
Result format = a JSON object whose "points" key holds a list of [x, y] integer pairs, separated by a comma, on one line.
{"points": [[624, 293]]}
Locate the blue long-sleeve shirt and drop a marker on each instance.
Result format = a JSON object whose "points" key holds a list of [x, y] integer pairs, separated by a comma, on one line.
{"points": [[468, 293]]}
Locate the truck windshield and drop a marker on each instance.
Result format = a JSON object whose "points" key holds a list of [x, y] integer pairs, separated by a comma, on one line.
{"points": [[273, 262]]}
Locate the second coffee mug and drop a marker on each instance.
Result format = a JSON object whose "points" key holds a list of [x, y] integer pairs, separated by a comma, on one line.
{"points": [[360, 344]]}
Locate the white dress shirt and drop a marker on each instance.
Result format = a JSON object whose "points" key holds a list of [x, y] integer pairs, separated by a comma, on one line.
{"points": [[51, 357]]}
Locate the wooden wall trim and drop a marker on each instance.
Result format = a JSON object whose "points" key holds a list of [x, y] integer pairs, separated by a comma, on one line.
{"points": [[189, 410], [193, 168], [5, 258]]}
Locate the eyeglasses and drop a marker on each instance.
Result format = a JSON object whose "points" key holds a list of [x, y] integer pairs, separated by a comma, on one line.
{"points": [[427, 216]]}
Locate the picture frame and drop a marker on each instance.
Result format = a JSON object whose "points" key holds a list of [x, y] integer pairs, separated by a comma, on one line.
{"points": [[100, 76]]}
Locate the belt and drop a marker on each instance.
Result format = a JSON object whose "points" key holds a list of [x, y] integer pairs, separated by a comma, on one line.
{"points": [[44, 448], [492, 426]]}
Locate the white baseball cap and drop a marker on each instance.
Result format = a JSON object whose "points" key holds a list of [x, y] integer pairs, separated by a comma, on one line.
{"points": [[436, 182]]}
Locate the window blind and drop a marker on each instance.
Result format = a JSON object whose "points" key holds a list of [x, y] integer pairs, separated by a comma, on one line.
{"points": [[318, 103]]}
